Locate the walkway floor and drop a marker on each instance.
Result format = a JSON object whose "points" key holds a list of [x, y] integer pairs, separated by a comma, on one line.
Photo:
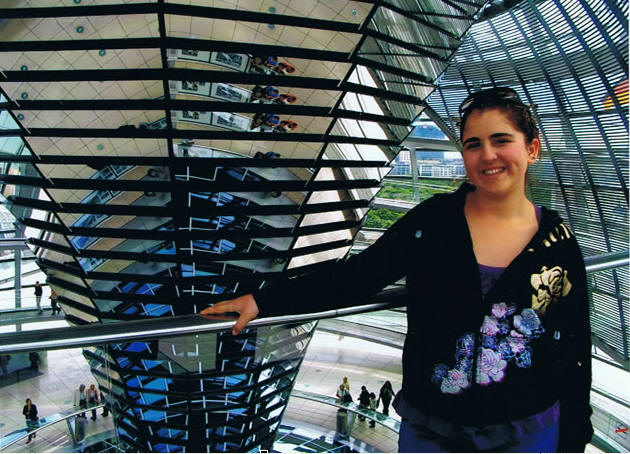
{"points": [[52, 391], [330, 357]]}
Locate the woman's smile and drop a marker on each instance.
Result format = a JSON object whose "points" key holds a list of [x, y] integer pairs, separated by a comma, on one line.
{"points": [[493, 171]]}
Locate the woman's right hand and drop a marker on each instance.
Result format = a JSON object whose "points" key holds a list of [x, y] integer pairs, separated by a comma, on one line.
{"points": [[244, 305]]}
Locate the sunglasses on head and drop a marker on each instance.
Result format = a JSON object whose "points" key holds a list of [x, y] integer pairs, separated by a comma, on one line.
{"points": [[498, 93]]}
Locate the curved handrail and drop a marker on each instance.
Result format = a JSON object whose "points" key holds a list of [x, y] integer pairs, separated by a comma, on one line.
{"points": [[137, 330], [374, 415], [20, 434]]}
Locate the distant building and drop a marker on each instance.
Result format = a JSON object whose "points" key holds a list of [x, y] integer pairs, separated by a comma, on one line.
{"points": [[400, 168], [441, 170], [429, 155], [428, 131], [404, 156], [431, 164]]}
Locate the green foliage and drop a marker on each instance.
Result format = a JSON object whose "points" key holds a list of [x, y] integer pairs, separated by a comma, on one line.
{"points": [[381, 218], [402, 189], [397, 192]]}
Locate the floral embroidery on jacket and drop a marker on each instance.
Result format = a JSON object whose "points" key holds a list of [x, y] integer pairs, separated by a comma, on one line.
{"points": [[549, 285], [505, 336]]}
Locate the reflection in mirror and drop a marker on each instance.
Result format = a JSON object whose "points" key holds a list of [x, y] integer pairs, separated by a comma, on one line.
{"points": [[208, 391]]}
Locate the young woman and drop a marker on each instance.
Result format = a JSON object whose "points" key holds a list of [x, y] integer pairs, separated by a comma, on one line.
{"points": [[346, 383], [385, 395], [30, 413], [54, 302], [497, 355], [93, 398], [373, 408]]}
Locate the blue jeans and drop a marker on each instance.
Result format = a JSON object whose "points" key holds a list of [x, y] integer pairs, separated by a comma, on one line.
{"points": [[414, 439]]}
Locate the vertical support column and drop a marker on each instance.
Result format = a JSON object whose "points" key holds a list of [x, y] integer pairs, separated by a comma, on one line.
{"points": [[17, 280], [71, 430], [414, 174]]}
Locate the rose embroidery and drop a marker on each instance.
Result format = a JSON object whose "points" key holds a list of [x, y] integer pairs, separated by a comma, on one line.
{"points": [[490, 326], [465, 346], [455, 382], [527, 322], [504, 338], [549, 285], [499, 310], [491, 367], [516, 342]]}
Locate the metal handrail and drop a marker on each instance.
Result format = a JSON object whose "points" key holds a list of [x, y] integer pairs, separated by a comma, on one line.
{"points": [[602, 262], [20, 434], [163, 327], [376, 416], [138, 330]]}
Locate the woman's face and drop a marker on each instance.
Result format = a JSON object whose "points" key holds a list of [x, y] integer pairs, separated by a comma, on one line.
{"points": [[496, 154]]}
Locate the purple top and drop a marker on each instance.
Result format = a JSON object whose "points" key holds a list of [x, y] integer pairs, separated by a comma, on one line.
{"points": [[490, 274]]}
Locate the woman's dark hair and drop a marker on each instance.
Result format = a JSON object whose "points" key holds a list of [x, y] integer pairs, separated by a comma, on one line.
{"points": [[520, 114]]}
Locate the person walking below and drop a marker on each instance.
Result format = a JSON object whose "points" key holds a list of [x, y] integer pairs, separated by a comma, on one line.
{"points": [[4, 364], [80, 427], [34, 358], [105, 409], [80, 398], [30, 413], [346, 383], [364, 400], [93, 399], [38, 296], [343, 397], [373, 407], [386, 395], [53, 303]]}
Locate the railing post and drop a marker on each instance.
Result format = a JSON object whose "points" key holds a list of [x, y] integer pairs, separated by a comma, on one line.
{"points": [[71, 431], [17, 259]]}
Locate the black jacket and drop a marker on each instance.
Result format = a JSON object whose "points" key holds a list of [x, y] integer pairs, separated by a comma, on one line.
{"points": [[364, 398], [30, 415], [530, 333]]}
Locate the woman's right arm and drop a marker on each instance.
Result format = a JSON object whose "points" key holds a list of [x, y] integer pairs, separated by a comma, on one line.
{"points": [[335, 284]]}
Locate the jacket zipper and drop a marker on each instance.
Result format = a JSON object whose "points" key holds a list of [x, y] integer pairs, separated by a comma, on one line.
{"points": [[536, 239]]}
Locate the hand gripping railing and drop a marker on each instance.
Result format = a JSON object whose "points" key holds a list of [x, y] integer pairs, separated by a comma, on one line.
{"points": [[137, 330]]}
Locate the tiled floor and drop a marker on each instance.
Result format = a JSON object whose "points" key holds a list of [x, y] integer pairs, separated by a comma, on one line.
{"points": [[330, 357], [52, 392]]}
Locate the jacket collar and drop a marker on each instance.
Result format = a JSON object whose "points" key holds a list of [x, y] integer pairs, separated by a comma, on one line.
{"points": [[549, 219]]}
